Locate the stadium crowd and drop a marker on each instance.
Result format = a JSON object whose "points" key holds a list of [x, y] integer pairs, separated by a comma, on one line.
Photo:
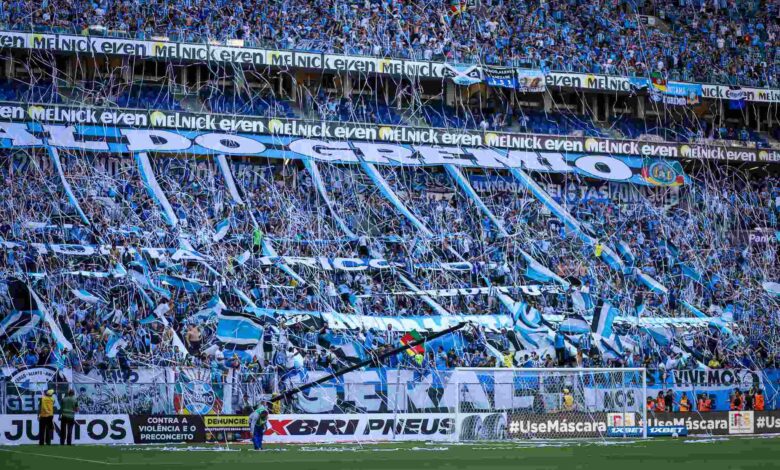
{"points": [[697, 40], [706, 250], [697, 240]]}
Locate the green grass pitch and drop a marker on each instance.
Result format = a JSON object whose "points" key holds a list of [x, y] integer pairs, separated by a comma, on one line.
{"points": [[657, 454]]}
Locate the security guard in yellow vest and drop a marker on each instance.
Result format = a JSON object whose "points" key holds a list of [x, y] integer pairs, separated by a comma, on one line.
{"points": [[46, 418]]}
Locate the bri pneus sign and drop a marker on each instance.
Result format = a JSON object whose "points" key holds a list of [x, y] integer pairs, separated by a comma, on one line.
{"points": [[338, 427]]}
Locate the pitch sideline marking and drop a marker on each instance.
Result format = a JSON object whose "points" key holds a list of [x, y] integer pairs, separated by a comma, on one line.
{"points": [[88, 460], [56, 456]]}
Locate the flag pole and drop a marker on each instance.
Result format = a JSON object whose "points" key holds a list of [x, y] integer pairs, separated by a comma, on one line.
{"points": [[374, 358]]}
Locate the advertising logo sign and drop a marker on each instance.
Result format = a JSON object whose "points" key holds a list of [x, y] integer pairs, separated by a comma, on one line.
{"points": [[621, 419], [741, 422]]}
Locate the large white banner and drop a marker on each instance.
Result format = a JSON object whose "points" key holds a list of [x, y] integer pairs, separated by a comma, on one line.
{"points": [[42, 113], [564, 156], [89, 429]]}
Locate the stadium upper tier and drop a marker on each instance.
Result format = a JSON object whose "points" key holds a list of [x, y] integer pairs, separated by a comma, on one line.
{"points": [[690, 40]]}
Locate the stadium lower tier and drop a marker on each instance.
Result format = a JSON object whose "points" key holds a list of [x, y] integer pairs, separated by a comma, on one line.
{"points": [[112, 262], [166, 404]]}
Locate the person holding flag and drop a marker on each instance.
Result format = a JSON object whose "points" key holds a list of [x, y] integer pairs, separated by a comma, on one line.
{"points": [[258, 420], [409, 338], [257, 240]]}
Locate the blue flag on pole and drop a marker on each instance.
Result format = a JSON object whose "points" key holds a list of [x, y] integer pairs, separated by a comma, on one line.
{"points": [[239, 328], [603, 319]]}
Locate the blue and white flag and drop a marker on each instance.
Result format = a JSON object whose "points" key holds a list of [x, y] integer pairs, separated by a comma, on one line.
{"points": [[222, 230], [527, 315], [691, 273], [626, 253], [345, 347], [18, 323], [695, 311], [85, 296], [238, 328], [182, 283], [609, 347], [243, 257], [603, 319], [772, 288], [119, 270], [491, 350], [673, 250], [244, 298], [139, 272], [55, 158], [151, 318], [113, 347], [626, 343], [523, 338], [187, 252], [612, 259], [574, 325], [352, 352], [539, 272], [230, 183], [148, 300], [154, 190], [209, 311], [648, 281], [114, 344], [582, 301], [662, 335], [463, 74]]}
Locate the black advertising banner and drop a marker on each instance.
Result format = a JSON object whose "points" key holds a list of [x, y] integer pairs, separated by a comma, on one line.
{"points": [[587, 425], [721, 423], [149, 429], [569, 425], [767, 422], [714, 423], [308, 428]]}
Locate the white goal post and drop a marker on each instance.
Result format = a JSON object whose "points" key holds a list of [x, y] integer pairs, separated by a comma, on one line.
{"points": [[554, 403]]}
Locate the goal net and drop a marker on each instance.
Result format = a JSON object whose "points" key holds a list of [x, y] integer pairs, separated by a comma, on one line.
{"points": [[497, 404]]}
